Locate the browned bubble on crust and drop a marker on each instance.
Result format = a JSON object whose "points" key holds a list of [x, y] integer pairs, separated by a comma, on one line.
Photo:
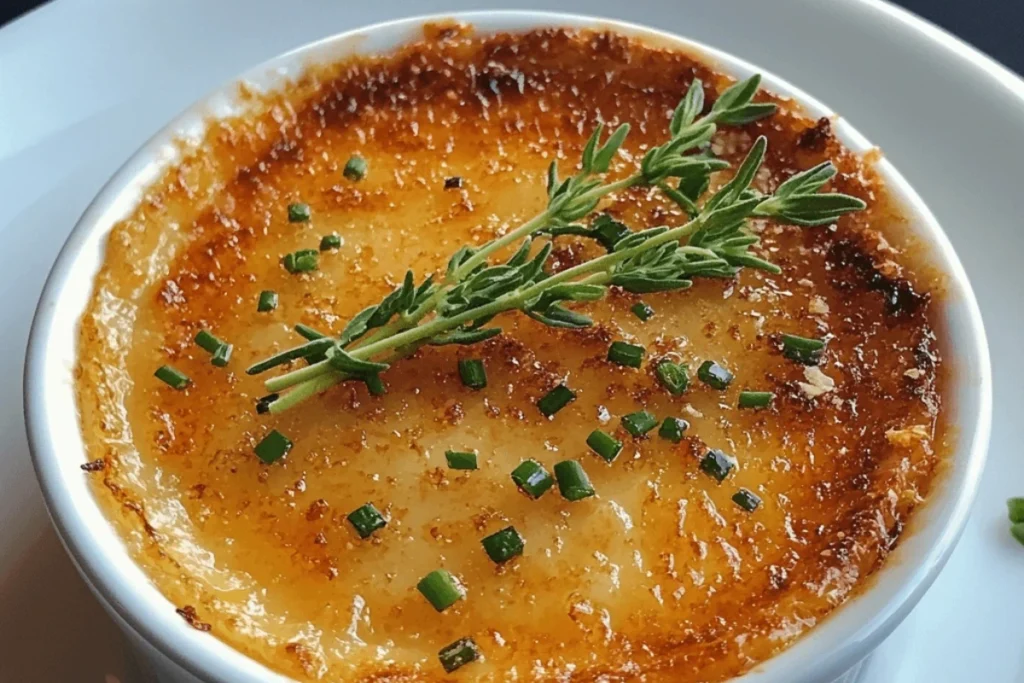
{"points": [[189, 614], [660, 575]]}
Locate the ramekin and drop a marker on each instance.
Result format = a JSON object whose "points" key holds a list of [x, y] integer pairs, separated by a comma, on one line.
{"points": [[179, 653]]}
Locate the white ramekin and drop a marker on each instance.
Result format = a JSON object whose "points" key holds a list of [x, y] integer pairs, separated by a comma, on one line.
{"points": [[184, 654]]}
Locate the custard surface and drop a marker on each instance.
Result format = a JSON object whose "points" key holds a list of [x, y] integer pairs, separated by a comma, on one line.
{"points": [[661, 574]]}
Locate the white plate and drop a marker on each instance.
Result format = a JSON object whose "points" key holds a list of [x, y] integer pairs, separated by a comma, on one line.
{"points": [[83, 84]]}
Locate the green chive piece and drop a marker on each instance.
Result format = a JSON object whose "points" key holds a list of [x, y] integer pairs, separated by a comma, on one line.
{"points": [[463, 651], [532, 479], [573, 482], [332, 241], [273, 447], [1017, 531], [639, 423], [504, 545], [308, 332], [299, 213], [208, 342], [375, 385], [355, 168], [171, 377], [628, 355], [473, 373], [714, 375], [302, 261], [310, 348], [556, 399], [605, 445], [642, 311], [673, 376], [672, 429], [222, 355], [366, 520], [267, 302], [461, 460], [441, 589], [755, 399], [802, 349], [746, 499], [1015, 508], [717, 464]]}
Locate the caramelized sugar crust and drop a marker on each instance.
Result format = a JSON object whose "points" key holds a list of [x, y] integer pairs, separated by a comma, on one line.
{"points": [[660, 575]]}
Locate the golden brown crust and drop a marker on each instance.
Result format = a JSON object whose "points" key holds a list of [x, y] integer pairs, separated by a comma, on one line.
{"points": [[660, 575]]}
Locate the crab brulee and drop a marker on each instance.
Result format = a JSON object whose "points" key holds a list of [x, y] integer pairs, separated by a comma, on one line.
{"points": [[539, 356]]}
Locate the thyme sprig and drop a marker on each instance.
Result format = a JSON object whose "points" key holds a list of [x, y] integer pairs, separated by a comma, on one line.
{"points": [[714, 242]]}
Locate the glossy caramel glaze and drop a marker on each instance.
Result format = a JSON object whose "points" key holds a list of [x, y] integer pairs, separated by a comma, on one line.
{"points": [[660, 576]]}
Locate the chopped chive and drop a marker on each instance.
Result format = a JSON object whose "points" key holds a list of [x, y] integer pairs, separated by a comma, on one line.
{"points": [[672, 429], [461, 460], [263, 404], [673, 376], [441, 589], [746, 499], [332, 241], [714, 375], [532, 479], [172, 377], [642, 311], [302, 261], [755, 399], [573, 482], [273, 447], [504, 545], [299, 213], [207, 341], [375, 385], [1015, 508], [267, 301], [605, 445], [463, 651], [355, 168], [628, 355], [221, 350], [717, 464], [802, 349], [472, 373], [366, 520], [222, 355], [453, 183], [555, 400], [308, 349], [639, 423], [1017, 531]]}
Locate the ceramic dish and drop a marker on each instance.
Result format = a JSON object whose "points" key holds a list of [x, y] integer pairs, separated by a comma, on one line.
{"points": [[829, 650]]}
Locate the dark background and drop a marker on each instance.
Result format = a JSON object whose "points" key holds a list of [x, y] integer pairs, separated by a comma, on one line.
{"points": [[995, 26]]}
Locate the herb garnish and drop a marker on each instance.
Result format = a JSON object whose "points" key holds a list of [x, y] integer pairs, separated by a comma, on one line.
{"points": [[715, 242]]}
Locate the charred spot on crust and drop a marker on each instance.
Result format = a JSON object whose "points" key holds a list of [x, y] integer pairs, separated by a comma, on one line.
{"points": [[817, 136], [899, 295], [497, 79]]}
